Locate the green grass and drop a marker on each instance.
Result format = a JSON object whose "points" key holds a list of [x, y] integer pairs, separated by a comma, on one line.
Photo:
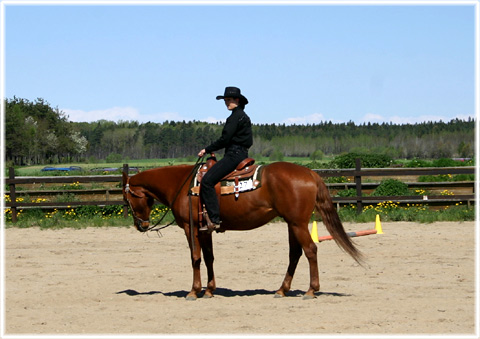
{"points": [[87, 216], [391, 211], [112, 216], [81, 217], [143, 164]]}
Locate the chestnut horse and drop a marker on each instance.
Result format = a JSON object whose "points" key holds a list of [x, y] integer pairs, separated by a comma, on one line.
{"points": [[287, 190]]}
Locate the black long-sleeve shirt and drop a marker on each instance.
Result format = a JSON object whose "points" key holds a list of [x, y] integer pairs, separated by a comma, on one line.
{"points": [[237, 131]]}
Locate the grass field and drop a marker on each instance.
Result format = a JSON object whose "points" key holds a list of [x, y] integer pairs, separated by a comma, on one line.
{"points": [[143, 163], [112, 215]]}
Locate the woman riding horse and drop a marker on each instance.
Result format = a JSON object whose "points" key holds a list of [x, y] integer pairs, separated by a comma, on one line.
{"points": [[236, 138], [289, 191]]}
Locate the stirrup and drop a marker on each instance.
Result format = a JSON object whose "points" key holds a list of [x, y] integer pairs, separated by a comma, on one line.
{"points": [[209, 228], [213, 227]]}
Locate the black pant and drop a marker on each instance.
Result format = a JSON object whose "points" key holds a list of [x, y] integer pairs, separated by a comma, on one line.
{"points": [[233, 156]]}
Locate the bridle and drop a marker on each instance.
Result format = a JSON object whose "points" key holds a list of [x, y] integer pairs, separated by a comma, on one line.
{"points": [[139, 222]]}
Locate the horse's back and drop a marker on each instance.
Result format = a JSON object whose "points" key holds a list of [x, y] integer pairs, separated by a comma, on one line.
{"points": [[287, 173]]}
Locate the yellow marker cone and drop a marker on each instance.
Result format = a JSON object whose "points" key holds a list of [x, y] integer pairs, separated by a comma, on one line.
{"points": [[314, 232], [378, 225]]}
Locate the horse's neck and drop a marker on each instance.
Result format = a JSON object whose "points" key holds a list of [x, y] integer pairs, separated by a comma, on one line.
{"points": [[166, 182]]}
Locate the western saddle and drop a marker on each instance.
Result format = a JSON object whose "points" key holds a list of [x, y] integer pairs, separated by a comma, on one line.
{"points": [[245, 170]]}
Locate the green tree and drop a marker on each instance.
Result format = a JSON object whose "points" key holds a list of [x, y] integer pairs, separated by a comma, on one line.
{"points": [[36, 133], [317, 155]]}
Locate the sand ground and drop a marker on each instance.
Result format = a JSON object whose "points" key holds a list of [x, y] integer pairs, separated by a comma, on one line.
{"points": [[419, 280]]}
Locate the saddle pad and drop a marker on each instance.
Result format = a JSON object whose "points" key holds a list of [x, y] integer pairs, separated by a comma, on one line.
{"points": [[228, 186]]}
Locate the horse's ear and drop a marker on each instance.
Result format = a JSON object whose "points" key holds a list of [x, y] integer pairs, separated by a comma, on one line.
{"points": [[138, 194]]}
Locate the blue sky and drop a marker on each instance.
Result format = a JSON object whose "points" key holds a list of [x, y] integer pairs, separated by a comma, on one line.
{"points": [[295, 64]]}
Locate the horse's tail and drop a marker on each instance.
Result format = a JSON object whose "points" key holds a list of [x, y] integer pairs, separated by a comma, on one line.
{"points": [[324, 206]]}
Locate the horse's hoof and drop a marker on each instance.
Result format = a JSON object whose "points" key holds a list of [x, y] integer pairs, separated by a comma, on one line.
{"points": [[308, 297], [207, 296], [278, 295], [191, 297]]}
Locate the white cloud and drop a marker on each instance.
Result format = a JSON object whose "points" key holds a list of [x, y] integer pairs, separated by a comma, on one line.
{"points": [[212, 120], [112, 114], [370, 117], [161, 117], [119, 113], [308, 119], [401, 120], [133, 114]]}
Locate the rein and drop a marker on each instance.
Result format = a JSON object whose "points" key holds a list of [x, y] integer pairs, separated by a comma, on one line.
{"points": [[154, 228]]}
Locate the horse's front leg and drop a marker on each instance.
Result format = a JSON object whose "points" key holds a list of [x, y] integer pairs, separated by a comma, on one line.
{"points": [[207, 248], [196, 258]]}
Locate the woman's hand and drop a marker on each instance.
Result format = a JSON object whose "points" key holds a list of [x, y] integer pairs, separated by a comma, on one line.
{"points": [[201, 153]]}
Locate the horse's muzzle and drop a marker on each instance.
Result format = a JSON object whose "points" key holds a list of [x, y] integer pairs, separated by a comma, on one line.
{"points": [[142, 225]]}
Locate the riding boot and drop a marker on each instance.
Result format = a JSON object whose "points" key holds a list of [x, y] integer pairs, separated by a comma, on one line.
{"points": [[210, 226]]}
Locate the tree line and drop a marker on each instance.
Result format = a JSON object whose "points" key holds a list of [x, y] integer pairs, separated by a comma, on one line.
{"points": [[36, 133]]}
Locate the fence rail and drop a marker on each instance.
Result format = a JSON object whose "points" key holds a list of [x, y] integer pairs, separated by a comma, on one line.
{"points": [[358, 173], [382, 172]]}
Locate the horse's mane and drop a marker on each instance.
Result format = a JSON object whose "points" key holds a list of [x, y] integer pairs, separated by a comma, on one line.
{"points": [[161, 179], [159, 170]]}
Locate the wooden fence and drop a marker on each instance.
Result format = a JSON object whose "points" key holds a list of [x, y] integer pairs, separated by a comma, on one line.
{"points": [[113, 196], [358, 173]]}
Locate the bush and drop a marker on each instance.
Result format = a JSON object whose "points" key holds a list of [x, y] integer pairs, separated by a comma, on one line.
{"points": [[80, 217], [464, 177], [417, 163], [87, 211], [351, 192], [314, 165], [391, 211], [114, 158], [446, 177], [445, 162], [435, 178], [391, 187], [367, 160], [276, 156], [317, 155], [442, 162], [336, 180]]}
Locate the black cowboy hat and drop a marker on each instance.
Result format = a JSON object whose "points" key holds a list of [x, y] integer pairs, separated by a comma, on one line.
{"points": [[233, 92]]}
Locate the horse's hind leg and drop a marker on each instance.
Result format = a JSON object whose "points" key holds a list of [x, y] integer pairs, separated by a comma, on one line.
{"points": [[302, 235], [310, 249], [295, 252]]}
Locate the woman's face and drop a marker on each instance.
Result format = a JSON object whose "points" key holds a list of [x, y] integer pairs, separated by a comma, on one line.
{"points": [[231, 103]]}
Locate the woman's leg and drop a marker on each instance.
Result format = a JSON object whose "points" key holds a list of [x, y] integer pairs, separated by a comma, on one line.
{"points": [[210, 179]]}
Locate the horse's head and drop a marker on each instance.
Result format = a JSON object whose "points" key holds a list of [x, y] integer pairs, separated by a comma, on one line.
{"points": [[140, 203]]}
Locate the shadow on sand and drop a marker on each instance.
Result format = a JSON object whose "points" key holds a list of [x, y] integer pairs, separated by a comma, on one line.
{"points": [[226, 292]]}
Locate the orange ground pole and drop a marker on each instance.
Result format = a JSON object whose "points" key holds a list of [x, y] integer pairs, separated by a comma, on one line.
{"points": [[350, 234]]}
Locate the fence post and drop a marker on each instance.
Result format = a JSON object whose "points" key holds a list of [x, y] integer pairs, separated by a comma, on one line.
{"points": [[125, 203], [358, 184], [13, 198]]}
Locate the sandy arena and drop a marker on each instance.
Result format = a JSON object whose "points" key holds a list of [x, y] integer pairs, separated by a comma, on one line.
{"points": [[419, 280]]}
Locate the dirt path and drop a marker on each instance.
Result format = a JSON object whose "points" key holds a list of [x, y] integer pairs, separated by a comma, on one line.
{"points": [[420, 279]]}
